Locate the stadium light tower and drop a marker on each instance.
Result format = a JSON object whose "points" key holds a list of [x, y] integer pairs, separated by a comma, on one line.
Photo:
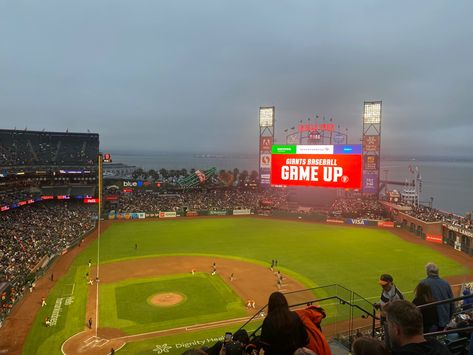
{"points": [[371, 146], [266, 140]]}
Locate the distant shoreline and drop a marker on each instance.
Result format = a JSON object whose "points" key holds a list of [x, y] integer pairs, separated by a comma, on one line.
{"points": [[255, 156]]}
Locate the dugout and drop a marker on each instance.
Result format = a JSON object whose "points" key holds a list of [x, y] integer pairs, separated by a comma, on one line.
{"points": [[458, 237]]}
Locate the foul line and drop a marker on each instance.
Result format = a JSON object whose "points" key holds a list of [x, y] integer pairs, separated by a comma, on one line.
{"points": [[187, 328]]}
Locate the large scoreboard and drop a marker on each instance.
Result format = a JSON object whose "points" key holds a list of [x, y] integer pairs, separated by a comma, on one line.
{"points": [[337, 166]]}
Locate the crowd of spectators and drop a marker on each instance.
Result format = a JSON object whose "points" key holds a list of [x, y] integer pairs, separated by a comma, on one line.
{"points": [[33, 233], [428, 214], [406, 327], [8, 198], [358, 208], [28, 148], [194, 200]]}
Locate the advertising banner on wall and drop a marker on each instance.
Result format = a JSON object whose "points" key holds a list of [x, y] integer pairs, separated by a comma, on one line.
{"points": [[370, 182], [218, 213], [167, 214], [241, 212], [386, 224], [315, 166], [437, 239], [362, 222]]}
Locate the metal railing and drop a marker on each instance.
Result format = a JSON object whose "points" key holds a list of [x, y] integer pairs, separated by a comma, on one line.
{"points": [[347, 313]]}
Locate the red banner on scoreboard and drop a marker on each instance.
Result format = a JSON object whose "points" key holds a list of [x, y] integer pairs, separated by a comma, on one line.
{"points": [[91, 200], [324, 170]]}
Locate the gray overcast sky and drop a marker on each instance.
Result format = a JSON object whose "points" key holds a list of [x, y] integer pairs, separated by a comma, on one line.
{"points": [[190, 75]]}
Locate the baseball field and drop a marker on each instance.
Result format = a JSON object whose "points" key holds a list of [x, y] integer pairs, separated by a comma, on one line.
{"points": [[156, 292]]}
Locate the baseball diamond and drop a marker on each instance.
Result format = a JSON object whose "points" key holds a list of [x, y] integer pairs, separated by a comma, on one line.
{"points": [[163, 295]]}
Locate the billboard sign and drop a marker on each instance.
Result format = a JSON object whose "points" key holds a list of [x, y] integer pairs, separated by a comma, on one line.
{"points": [[371, 143], [266, 143], [265, 177], [316, 165], [370, 182], [265, 160], [266, 116], [370, 162]]}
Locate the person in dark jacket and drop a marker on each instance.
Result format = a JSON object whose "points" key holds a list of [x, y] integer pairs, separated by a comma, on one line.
{"points": [[441, 290], [406, 331], [283, 331], [423, 295]]}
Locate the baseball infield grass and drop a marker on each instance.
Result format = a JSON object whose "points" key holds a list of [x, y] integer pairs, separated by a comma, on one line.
{"points": [[205, 299], [315, 254]]}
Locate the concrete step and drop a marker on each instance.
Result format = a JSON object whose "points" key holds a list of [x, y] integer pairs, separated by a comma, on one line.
{"points": [[337, 348]]}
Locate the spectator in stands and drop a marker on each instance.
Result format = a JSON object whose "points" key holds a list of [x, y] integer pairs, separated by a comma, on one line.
{"points": [[237, 345], [467, 302], [405, 330], [25, 247], [194, 200], [312, 317], [283, 331], [389, 293], [423, 295], [441, 290], [368, 346]]}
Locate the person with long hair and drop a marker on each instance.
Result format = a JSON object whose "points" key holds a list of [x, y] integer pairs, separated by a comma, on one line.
{"points": [[423, 295], [283, 331]]}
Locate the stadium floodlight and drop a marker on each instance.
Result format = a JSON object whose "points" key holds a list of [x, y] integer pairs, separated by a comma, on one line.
{"points": [[266, 116], [372, 112]]}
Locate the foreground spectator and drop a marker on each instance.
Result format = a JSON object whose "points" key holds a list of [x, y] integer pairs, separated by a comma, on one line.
{"points": [[441, 290], [389, 294], [423, 295], [368, 346], [406, 331], [283, 332], [312, 317]]}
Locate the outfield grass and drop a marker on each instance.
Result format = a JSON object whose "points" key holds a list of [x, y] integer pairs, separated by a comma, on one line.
{"points": [[315, 254]]}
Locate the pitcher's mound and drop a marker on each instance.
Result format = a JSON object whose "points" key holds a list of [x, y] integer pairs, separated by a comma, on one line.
{"points": [[167, 299]]}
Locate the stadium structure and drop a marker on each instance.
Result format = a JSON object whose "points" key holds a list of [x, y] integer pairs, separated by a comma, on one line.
{"points": [[164, 261]]}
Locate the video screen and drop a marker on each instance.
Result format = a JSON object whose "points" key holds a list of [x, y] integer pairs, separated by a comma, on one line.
{"points": [[338, 166]]}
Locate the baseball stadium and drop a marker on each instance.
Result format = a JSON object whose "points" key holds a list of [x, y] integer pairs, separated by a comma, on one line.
{"points": [[98, 258]]}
